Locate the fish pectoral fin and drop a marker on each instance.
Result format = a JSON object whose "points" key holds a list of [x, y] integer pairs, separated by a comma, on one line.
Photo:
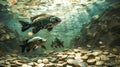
{"points": [[49, 29], [49, 25], [35, 29], [43, 46]]}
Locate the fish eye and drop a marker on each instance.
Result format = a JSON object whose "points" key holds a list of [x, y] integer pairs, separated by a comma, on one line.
{"points": [[53, 19]]}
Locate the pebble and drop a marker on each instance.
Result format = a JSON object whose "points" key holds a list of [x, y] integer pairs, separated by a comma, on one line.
{"points": [[71, 53], [84, 57], [70, 61], [96, 53], [97, 58], [91, 61], [59, 65], [24, 65], [14, 55], [7, 63], [64, 56], [41, 65], [53, 59], [50, 65], [39, 61], [8, 57], [31, 63], [45, 61], [100, 63], [69, 66], [76, 50], [71, 56], [106, 53], [104, 57]]}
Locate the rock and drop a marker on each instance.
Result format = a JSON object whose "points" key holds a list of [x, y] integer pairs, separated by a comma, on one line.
{"points": [[8, 39], [60, 55], [31, 63], [106, 53], [35, 63], [104, 57], [39, 61], [97, 58], [70, 61], [91, 61], [77, 56], [14, 65], [71, 53], [53, 59], [117, 61], [79, 63], [50, 65], [91, 56], [17, 62], [24, 65], [69, 66], [96, 53], [64, 63], [115, 50], [88, 45], [59, 65], [45, 61], [7, 63], [84, 57], [9, 57], [100, 63], [83, 51], [1, 61], [14, 55], [60, 62], [64, 56], [76, 50], [100, 42], [70, 56], [102, 30], [40, 65]]}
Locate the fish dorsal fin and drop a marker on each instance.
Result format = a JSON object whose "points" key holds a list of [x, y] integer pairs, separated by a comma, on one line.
{"points": [[40, 15]]}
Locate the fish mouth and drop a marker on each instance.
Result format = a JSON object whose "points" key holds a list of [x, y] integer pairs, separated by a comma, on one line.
{"points": [[44, 40]]}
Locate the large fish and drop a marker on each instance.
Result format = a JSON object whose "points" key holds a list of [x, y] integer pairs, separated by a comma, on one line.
{"points": [[42, 21], [33, 43]]}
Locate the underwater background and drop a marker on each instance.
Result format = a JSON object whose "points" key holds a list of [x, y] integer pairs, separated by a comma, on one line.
{"points": [[89, 25]]}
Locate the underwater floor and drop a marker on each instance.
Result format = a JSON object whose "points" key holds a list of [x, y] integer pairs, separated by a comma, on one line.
{"points": [[89, 31], [66, 58]]}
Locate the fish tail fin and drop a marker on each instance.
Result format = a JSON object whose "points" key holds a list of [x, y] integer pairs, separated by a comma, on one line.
{"points": [[25, 25], [23, 48]]}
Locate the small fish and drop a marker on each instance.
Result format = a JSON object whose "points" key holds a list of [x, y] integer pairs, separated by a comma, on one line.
{"points": [[57, 43], [32, 43], [42, 21]]}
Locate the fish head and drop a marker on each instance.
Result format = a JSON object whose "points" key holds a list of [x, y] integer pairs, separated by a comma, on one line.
{"points": [[55, 20], [42, 40]]}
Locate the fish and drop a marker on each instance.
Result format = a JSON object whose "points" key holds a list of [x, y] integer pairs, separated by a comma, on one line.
{"points": [[39, 22], [57, 43], [33, 43]]}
